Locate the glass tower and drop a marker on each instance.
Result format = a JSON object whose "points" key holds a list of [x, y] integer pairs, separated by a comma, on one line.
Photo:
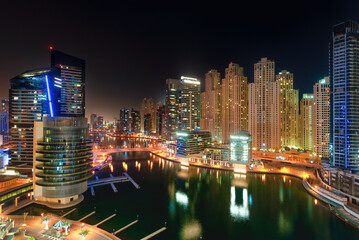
{"points": [[345, 76], [73, 83], [32, 94]]}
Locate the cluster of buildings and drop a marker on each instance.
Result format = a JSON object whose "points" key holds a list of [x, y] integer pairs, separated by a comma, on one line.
{"points": [[44, 130]]}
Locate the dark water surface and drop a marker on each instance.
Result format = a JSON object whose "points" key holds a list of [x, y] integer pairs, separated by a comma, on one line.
{"points": [[198, 203]]}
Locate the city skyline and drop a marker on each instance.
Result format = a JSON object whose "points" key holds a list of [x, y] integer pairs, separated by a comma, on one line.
{"points": [[164, 45]]}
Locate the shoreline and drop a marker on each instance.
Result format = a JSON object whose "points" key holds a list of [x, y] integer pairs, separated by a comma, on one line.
{"points": [[306, 185]]}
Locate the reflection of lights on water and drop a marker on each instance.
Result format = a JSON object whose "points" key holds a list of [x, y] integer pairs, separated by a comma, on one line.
{"points": [[111, 167], [191, 230], [263, 178], [283, 178], [239, 211], [139, 166], [124, 165], [181, 198], [151, 166], [315, 201]]}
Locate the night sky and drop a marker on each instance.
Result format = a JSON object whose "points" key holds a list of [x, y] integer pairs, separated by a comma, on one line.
{"points": [[131, 47]]}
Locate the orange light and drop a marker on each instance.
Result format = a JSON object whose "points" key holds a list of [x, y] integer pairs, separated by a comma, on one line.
{"points": [[315, 201]]}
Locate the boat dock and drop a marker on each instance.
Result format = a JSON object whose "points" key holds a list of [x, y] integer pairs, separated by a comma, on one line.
{"points": [[127, 226], [154, 233]]}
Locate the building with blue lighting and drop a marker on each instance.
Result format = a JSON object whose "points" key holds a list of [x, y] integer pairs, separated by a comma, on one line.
{"points": [[72, 77], [33, 94], [345, 86]]}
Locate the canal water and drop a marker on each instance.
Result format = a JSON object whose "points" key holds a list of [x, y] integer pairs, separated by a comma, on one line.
{"points": [[197, 203]]}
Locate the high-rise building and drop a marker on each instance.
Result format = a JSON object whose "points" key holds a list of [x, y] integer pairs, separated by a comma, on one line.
{"points": [[321, 110], [72, 82], [3, 122], [147, 123], [241, 148], [160, 118], [148, 107], [124, 120], [234, 102], [289, 108], [345, 72], [190, 104], [4, 105], [32, 94], [306, 118], [100, 123], [62, 161], [135, 122], [189, 143], [264, 107], [172, 108], [93, 121], [211, 105]]}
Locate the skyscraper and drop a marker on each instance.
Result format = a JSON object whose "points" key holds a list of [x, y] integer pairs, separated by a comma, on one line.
{"points": [[124, 120], [190, 104], [345, 49], [234, 102], [321, 109], [135, 121], [160, 118], [100, 122], [93, 121], [211, 105], [72, 81], [264, 107], [148, 107], [289, 101], [172, 108], [306, 118], [32, 94]]}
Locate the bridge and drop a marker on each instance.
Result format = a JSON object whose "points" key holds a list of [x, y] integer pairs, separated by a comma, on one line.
{"points": [[115, 150], [111, 180]]}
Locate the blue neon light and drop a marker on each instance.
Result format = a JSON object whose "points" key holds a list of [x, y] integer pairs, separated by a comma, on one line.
{"points": [[49, 96]]}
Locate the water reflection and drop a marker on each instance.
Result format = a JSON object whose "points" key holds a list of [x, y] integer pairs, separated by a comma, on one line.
{"points": [[239, 211]]}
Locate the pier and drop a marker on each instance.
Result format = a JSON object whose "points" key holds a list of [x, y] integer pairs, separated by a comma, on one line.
{"points": [[69, 212], [113, 215], [154, 233], [127, 226], [90, 214], [131, 180]]}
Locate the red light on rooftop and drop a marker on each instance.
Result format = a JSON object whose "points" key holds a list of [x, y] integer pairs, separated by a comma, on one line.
{"points": [[51, 47]]}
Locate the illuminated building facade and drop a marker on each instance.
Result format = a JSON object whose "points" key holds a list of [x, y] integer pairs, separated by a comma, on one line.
{"points": [[124, 120], [321, 110], [160, 118], [345, 72], [264, 107], [148, 107], [241, 148], [93, 121], [32, 94], [189, 99], [62, 161], [234, 102], [100, 122], [189, 143], [211, 105], [306, 118], [72, 81], [289, 109], [135, 121], [147, 122], [172, 108]]}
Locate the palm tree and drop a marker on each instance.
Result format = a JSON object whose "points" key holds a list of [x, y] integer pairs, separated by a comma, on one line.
{"points": [[46, 220], [66, 225], [84, 233]]}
